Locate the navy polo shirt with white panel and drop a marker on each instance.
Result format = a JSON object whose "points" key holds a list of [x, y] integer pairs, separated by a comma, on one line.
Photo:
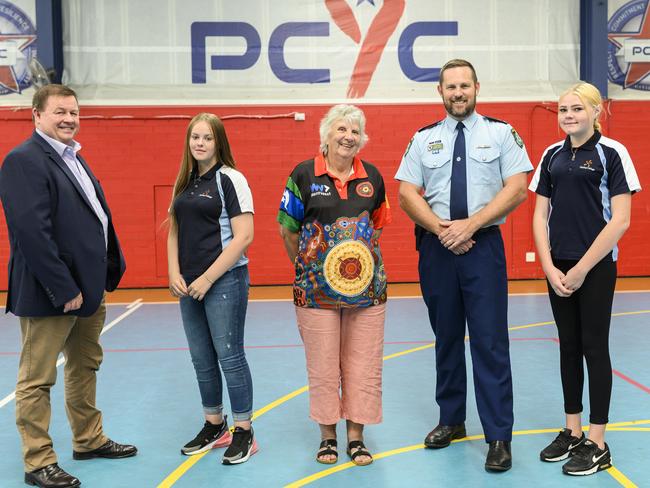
{"points": [[580, 183], [203, 212]]}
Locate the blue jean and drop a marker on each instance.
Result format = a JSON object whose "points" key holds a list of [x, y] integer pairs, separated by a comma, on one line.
{"points": [[214, 328]]}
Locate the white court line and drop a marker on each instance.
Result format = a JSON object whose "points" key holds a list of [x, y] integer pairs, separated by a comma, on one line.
{"points": [[7, 399], [112, 304], [132, 307], [134, 303]]}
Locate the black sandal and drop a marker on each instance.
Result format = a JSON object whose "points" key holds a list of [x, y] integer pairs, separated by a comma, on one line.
{"points": [[327, 448], [360, 451]]}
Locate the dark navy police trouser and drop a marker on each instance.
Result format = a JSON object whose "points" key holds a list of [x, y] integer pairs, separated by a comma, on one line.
{"points": [[470, 288]]}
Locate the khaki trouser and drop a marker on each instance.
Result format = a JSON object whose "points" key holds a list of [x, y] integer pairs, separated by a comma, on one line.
{"points": [[43, 338]]}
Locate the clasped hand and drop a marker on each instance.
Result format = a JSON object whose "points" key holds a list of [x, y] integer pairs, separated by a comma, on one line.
{"points": [[565, 284], [456, 235], [198, 288]]}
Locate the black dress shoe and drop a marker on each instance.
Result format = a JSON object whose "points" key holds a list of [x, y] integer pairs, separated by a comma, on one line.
{"points": [[442, 435], [51, 476], [498, 456], [110, 450]]}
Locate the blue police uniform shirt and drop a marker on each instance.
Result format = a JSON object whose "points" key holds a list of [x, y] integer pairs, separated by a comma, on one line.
{"points": [[580, 182], [495, 152]]}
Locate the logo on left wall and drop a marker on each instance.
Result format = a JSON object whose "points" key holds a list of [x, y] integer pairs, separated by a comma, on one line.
{"points": [[17, 47]]}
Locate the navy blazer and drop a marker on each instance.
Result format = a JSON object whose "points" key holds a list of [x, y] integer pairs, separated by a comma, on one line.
{"points": [[56, 239]]}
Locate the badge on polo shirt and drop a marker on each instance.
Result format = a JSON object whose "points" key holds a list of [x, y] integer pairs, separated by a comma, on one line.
{"points": [[365, 189], [518, 139]]}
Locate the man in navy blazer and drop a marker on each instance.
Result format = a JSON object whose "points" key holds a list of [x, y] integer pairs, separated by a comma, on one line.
{"points": [[64, 256]]}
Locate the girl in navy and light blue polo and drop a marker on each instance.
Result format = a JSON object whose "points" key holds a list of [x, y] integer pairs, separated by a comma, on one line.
{"points": [[584, 186], [211, 220]]}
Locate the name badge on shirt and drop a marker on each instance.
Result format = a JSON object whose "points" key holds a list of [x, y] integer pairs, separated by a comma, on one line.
{"points": [[435, 147]]}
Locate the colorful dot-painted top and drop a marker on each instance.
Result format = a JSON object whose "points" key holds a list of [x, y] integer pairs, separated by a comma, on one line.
{"points": [[339, 263], [580, 183]]}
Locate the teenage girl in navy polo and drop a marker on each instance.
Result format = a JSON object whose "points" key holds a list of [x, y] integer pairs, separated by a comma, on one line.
{"points": [[584, 186], [211, 219]]}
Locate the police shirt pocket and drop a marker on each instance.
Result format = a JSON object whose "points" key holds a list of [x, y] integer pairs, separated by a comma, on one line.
{"points": [[437, 171], [486, 169]]}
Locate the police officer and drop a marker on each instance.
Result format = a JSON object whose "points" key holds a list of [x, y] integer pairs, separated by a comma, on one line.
{"points": [[459, 178]]}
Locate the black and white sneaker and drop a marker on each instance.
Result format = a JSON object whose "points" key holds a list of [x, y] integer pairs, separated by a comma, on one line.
{"points": [[561, 447], [210, 437], [587, 459], [242, 447]]}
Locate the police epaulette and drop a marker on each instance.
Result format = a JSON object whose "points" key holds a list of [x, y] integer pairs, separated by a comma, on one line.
{"points": [[431, 125], [492, 119]]}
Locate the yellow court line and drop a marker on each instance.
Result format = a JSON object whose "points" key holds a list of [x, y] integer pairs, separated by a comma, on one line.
{"points": [[191, 461], [550, 322], [181, 470], [615, 473], [638, 312], [279, 401], [538, 324], [627, 424], [621, 478], [409, 351]]}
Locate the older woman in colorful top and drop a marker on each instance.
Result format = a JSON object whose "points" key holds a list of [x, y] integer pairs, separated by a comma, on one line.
{"points": [[331, 216]]}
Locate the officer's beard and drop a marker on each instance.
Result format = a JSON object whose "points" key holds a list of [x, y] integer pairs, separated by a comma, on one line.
{"points": [[460, 113]]}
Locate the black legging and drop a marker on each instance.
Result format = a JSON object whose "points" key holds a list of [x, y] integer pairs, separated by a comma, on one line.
{"points": [[583, 327]]}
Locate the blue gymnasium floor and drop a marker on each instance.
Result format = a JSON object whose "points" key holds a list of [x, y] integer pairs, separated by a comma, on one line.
{"points": [[148, 394]]}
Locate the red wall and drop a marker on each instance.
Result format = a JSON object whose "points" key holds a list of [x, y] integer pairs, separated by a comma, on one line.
{"points": [[135, 152]]}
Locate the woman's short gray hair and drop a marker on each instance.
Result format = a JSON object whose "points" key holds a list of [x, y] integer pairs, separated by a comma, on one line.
{"points": [[350, 113]]}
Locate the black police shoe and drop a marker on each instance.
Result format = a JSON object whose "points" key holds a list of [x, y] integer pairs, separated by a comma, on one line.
{"points": [[498, 457], [442, 435]]}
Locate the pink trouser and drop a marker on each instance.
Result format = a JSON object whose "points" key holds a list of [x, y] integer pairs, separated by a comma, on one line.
{"points": [[344, 351]]}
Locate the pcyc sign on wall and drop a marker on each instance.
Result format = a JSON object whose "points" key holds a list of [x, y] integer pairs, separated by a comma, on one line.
{"points": [[384, 21], [315, 51]]}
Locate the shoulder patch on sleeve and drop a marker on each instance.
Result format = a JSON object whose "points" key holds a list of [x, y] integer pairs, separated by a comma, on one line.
{"points": [[492, 119], [431, 125], [517, 137]]}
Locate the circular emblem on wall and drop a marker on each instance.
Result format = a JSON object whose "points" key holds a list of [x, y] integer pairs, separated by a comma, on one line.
{"points": [[365, 189], [17, 48], [349, 268], [628, 53]]}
